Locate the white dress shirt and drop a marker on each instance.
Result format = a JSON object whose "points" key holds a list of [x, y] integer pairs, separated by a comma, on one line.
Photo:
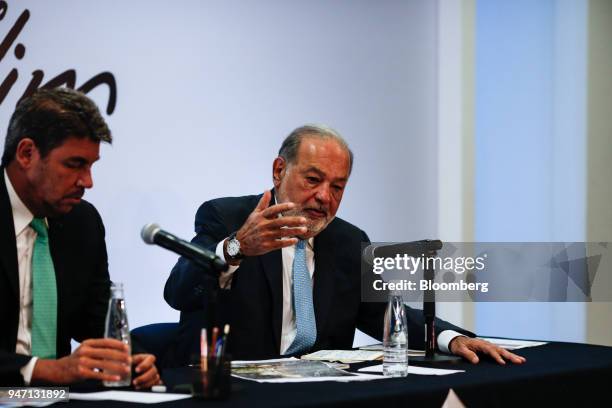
{"points": [[289, 328], [25, 238]]}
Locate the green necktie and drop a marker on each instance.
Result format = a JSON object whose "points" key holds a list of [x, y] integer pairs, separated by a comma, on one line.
{"points": [[44, 314]]}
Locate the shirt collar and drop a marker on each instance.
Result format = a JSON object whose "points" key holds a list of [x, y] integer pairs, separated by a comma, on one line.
{"points": [[22, 216]]}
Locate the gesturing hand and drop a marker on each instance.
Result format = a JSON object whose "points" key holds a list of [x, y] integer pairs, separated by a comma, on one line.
{"points": [[265, 231]]}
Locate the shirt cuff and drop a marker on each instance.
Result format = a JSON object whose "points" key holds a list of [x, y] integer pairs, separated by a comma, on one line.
{"points": [[27, 370], [225, 278], [445, 338]]}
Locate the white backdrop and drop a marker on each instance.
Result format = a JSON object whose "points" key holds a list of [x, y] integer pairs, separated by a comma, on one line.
{"points": [[207, 90]]}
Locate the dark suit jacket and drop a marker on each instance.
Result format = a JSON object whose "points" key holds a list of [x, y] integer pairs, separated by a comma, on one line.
{"points": [[253, 305], [79, 256]]}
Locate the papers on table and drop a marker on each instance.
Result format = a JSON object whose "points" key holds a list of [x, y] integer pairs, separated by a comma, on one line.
{"points": [[379, 347], [505, 343], [513, 344], [293, 370], [344, 356], [243, 363], [288, 370], [413, 370], [129, 396]]}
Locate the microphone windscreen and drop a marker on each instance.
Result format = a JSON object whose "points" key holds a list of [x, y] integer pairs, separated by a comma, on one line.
{"points": [[148, 232]]}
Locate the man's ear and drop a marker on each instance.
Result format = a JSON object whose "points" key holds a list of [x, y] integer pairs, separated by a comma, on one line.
{"points": [[26, 152], [278, 170]]}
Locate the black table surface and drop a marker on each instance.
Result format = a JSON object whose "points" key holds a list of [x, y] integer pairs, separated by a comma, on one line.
{"points": [[566, 374]]}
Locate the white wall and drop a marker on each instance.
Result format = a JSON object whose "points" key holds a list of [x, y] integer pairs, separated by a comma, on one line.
{"points": [[207, 90]]}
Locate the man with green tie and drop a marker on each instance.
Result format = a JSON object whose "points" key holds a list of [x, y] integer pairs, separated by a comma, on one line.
{"points": [[54, 281]]}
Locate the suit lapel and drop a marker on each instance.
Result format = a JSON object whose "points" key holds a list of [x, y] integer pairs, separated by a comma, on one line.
{"points": [[272, 265], [8, 245], [323, 278]]}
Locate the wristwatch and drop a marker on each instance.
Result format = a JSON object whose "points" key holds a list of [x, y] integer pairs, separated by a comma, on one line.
{"points": [[233, 248]]}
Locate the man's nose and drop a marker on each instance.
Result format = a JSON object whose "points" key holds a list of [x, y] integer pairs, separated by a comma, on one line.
{"points": [[323, 193], [85, 180]]}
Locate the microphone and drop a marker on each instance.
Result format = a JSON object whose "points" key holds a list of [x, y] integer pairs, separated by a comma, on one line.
{"points": [[153, 234], [413, 249]]}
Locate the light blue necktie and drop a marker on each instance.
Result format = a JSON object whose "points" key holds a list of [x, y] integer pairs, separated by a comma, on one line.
{"points": [[302, 303]]}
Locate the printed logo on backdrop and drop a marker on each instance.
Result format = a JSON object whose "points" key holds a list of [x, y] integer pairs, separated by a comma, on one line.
{"points": [[67, 78]]}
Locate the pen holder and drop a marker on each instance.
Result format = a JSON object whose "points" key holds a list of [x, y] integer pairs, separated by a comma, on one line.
{"points": [[212, 380]]}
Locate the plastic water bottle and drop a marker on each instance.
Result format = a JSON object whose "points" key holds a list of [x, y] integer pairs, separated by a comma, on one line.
{"points": [[395, 339], [117, 328]]}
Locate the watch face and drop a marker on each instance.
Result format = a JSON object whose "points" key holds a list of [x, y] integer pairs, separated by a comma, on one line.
{"points": [[233, 247]]}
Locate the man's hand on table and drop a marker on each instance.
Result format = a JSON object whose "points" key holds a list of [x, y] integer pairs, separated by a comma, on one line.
{"points": [[469, 348], [97, 359], [146, 372]]}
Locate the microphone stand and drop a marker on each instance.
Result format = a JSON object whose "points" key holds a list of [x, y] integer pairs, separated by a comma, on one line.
{"points": [[210, 307], [429, 311]]}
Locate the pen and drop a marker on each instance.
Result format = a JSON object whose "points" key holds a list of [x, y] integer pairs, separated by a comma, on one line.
{"points": [[213, 343], [218, 347], [226, 330], [203, 351]]}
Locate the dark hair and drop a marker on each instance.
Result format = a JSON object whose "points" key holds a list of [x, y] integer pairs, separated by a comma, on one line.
{"points": [[291, 144], [49, 117]]}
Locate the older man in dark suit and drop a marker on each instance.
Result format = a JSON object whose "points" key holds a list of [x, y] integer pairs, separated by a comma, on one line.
{"points": [[54, 282], [294, 281]]}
